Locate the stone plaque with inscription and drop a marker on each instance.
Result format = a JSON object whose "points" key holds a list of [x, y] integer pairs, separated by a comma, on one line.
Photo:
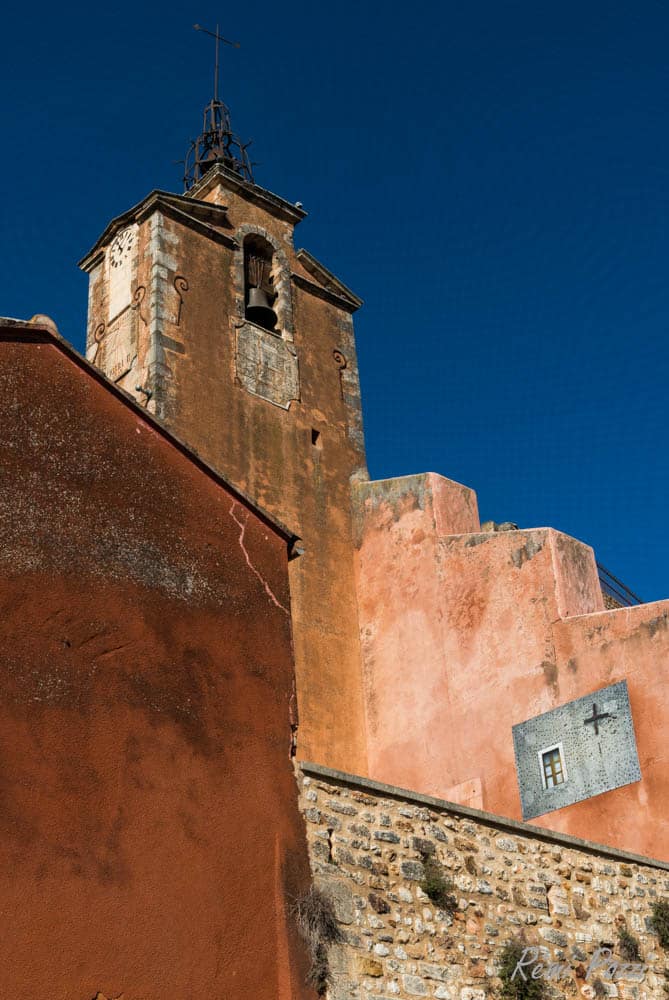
{"points": [[118, 348], [266, 365], [578, 750]]}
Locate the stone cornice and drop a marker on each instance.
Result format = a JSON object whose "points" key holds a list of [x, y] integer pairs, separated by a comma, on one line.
{"points": [[202, 216], [251, 192], [322, 293], [327, 280]]}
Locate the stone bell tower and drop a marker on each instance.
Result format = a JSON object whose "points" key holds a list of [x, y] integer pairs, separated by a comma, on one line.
{"points": [[202, 309]]}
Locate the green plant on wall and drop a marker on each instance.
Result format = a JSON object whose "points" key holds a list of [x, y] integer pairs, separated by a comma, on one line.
{"points": [[435, 884], [660, 922], [516, 987], [316, 920], [628, 946]]}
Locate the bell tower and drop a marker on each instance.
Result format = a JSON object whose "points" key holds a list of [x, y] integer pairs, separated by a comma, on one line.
{"points": [[202, 309]]}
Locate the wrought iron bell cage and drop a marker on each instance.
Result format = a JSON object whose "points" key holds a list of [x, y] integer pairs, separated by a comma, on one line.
{"points": [[217, 143]]}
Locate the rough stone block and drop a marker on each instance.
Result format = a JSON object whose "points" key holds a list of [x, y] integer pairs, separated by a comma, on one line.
{"points": [[414, 985], [370, 967]]}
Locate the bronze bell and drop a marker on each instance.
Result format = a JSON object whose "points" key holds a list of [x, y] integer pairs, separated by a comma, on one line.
{"points": [[259, 310]]}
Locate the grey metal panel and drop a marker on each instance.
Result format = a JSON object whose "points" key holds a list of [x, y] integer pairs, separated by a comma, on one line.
{"points": [[598, 755]]}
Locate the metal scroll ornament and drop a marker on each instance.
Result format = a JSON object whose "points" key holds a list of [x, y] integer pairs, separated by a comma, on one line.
{"points": [[181, 286], [342, 363], [137, 299]]}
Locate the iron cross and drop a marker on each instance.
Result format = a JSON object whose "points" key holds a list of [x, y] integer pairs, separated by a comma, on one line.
{"points": [[595, 718], [219, 38]]}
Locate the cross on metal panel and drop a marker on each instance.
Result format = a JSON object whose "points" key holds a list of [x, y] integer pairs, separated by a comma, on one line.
{"points": [[595, 718], [568, 729]]}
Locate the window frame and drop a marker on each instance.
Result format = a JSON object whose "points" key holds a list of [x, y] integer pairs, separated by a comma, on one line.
{"points": [[544, 781]]}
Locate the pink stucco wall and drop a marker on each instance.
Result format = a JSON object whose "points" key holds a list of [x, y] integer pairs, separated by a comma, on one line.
{"points": [[592, 651], [465, 634]]}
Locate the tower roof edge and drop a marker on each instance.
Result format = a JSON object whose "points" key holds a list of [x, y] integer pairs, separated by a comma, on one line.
{"points": [[327, 279], [204, 211], [273, 203]]}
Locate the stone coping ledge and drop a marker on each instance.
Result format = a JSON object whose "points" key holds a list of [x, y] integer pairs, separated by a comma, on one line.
{"points": [[490, 819]]}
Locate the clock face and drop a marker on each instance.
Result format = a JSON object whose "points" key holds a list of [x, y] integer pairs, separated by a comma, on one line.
{"points": [[121, 247]]}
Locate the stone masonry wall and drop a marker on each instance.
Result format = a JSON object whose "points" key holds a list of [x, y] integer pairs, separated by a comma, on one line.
{"points": [[367, 844]]}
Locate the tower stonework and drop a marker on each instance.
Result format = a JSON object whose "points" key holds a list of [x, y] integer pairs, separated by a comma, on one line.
{"points": [[277, 411], [422, 640]]}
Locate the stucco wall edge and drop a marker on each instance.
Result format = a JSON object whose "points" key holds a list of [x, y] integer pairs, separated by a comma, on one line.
{"points": [[22, 331], [633, 611]]}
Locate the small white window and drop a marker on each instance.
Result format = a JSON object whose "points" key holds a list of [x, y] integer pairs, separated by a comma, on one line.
{"points": [[553, 770]]}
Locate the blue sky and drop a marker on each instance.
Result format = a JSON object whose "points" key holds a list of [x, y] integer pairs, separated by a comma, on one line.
{"points": [[492, 178]]}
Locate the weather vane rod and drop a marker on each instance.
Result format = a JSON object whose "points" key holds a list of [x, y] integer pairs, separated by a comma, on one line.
{"points": [[219, 38]]}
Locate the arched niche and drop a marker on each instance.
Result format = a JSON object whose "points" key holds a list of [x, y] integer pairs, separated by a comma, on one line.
{"points": [[261, 262]]}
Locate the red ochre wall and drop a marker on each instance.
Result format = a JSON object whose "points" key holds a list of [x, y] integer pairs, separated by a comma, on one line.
{"points": [[150, 841], [464, 634]]}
